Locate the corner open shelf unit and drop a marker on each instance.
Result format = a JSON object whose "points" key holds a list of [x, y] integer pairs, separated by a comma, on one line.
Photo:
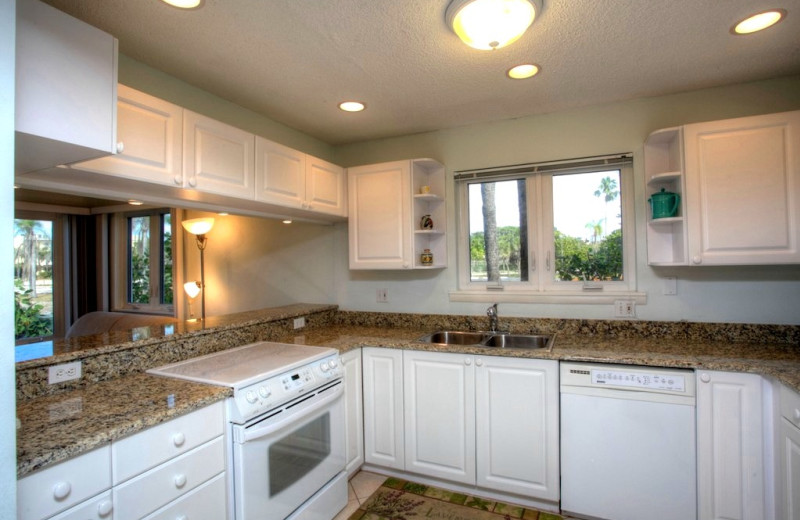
{"points": [[664, 168], [428, 198]]}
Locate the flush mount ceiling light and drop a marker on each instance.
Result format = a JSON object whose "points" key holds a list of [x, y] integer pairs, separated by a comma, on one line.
{"points": [[491, 24], [528, 70], [351, 106], [184, 4], [759, 21]]}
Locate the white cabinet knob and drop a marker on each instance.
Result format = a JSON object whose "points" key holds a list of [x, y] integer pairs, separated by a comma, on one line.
{"points": [[120, 147], [61, 490], [192, 181], [797, 414], [405, 266], [479, 362], [697, 260], [468, 361], [180, 480], [178, 439], [705, 378], [178, 180], [104, 508]]}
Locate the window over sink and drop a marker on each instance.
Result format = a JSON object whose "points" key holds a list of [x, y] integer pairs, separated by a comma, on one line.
{"points": [[546, 231]]}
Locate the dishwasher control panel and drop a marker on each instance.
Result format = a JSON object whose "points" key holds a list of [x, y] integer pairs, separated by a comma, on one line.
{"points": [[644, 380]]}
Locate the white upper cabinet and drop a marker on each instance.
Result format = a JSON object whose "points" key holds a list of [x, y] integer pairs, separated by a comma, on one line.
{"points": [[293, 179], [150, 133], [738, 181], [379, 198], [397, 215], [743, 190], [66, 89], [217, 158]]}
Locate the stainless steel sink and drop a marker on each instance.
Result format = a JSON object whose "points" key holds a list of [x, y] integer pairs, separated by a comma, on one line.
{"points": [[490, 339], [452, 337], [536, 341]]}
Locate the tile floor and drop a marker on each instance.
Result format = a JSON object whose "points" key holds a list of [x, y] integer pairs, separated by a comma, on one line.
{"points": [[360, 488]]}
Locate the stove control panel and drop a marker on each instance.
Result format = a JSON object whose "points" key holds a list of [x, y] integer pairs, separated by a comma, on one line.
{"points": [[655, 381], [260, 397]]}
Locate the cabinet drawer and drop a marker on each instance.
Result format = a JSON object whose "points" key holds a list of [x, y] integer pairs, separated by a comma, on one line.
{"points": [[59, 487], [158, 487], [145, 450], [790, 405], [97, 508], [207, 502]]}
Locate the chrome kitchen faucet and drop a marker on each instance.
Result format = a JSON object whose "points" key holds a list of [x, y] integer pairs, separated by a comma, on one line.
{"points": [[492, 313]]}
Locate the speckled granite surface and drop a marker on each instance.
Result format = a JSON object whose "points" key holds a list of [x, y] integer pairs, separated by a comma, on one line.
{"points": [[55, 428], [114, 398]]}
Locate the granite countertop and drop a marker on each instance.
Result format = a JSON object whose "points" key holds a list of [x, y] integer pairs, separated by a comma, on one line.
{"points": [[56, 427]]}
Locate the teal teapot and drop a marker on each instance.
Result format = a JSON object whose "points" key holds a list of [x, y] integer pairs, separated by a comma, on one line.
{"points": [[664, 204]]}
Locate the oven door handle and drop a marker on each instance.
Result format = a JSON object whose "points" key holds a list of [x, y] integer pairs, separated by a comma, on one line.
{"points": [[272, 427]]}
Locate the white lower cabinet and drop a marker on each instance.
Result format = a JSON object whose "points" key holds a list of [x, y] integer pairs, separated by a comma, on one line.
{"points": [[383, 407], [517, 417], [731, 434], [173, 470], [789, 455], [439, 401], [353, 411], [484, 421]]}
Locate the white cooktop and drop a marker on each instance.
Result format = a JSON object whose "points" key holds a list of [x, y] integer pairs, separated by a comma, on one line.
{"points": [[242, 366]]}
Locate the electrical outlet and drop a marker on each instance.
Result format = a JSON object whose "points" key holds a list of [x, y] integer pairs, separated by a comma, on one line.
{"points": [[300, 322], [624, 309], [382, 296], [64, 372]]}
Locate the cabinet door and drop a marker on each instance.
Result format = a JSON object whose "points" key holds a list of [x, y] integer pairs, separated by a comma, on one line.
{"points": [[439, 391], [379, 202], [743, 190], [149, 131], [353, 410], [790, 470], [383, 407], [280, 174], [517, 432], [217, 158], [730, 444], [325, 187], [66, 88], [96, 508]]}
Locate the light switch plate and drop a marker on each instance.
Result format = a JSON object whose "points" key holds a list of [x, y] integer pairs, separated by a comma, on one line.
{"points": [[624, 309]]}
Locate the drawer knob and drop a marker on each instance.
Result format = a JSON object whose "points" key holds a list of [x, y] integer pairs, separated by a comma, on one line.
{"points": [[697, 259], [797, 414], [104, 508], [468, 361], [120, 147], [180, 480], [479, 362], [178, 439], [192, 181], [178, 180], [705, 378], [61, 490]]}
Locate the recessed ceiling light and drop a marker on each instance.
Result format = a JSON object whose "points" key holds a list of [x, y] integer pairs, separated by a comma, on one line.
{"points": [[759, 21], [527, 70], [134, 202], [184, 4], [223, 213], [287, 221], [491, 24], [352, 106]]}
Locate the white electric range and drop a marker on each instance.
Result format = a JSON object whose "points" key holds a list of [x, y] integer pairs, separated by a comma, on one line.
{"points": [[286, 427]]}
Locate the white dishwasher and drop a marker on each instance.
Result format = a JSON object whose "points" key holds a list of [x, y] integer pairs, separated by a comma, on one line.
{"points": [[628, 442]]}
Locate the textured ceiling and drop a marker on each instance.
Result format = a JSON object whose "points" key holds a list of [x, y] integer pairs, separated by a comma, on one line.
{"points": [[294, 60]]}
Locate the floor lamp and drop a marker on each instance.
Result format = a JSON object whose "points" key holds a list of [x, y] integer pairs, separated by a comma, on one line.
{"points": [[199, 227]]}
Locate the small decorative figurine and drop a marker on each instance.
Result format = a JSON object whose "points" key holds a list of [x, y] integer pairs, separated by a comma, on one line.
{"points": [[426, 258], [426, 222]]}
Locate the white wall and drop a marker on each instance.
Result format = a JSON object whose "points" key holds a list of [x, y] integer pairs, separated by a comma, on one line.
{"points": [[8, 432], [752, 294], [252, 263]]}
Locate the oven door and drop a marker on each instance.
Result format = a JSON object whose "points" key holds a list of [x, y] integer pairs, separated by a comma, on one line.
{"points": [[283, 457]]}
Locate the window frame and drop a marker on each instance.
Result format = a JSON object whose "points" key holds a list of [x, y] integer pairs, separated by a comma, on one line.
{"points": [[120, 253], [541, 286]]}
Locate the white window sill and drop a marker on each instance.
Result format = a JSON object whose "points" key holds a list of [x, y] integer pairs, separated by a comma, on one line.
{"points": [[570, 297]]}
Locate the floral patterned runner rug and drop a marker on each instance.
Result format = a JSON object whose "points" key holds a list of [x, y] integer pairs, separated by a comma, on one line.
{"points": [[399, 499]]}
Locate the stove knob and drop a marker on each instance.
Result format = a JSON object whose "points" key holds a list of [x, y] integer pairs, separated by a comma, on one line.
{"points": [[333, 363], [251, 397], [324, 366], [264, 392]]}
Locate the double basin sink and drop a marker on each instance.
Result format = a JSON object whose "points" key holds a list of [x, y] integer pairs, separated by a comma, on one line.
{"points": [[491, 339]]}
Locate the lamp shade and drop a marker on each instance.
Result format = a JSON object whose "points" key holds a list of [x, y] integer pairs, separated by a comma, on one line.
{"points": [[192, 289], [198, 226], [491, 24]]}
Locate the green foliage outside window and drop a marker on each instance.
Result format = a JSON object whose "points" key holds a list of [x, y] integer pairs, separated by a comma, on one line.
{"points": [[28, 319]]}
